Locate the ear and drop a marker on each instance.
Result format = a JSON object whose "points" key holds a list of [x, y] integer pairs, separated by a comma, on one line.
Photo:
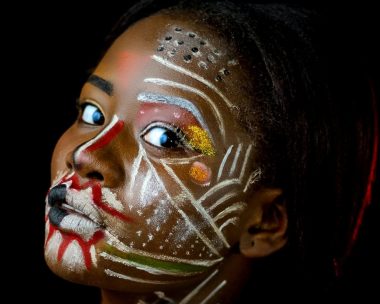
{"points": [[265, 224]]}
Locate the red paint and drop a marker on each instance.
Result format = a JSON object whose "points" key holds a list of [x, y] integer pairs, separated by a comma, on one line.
{"points": [[372, 175], [170, 114], [85, 246], [107, 138], [97, 198]]}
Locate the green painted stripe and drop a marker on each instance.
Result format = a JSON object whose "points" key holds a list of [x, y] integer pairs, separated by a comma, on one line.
{"points": [[158, 264]]}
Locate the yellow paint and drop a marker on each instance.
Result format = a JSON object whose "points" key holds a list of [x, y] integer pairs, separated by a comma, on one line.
{"points": [[200, 140]]}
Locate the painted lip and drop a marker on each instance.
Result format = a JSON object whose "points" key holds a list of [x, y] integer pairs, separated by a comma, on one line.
{"points": [[72, 211]]}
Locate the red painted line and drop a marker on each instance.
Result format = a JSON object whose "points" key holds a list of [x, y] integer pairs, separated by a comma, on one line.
{"points": [[97, 198], [106, 138]]}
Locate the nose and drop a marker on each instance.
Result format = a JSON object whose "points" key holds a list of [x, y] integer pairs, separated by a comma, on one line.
{"points": [[99, 159]]}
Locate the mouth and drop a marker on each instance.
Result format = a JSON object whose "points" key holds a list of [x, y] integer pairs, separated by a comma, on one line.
{"points": [[72, 211]]}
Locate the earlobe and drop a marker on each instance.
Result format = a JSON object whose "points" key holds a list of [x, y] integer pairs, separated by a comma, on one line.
{"points": [[264, 230]]}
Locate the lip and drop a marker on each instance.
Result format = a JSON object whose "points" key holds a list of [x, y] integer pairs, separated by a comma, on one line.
{"points": [[72, 211]]}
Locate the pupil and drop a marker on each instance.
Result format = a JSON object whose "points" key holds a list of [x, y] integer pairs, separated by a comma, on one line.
{"points": [[98, 117], [169, 140]]}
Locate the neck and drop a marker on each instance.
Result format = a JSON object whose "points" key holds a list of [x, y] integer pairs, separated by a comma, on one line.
{"points": [[223, 284]]}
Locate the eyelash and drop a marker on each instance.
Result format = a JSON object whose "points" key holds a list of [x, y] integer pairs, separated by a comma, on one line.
{"points": [[182, 138]]}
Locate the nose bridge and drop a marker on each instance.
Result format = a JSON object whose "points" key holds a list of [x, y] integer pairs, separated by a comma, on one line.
{"points": [[95, 159]]}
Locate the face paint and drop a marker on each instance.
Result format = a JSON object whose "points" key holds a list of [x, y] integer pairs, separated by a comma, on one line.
{"points": [[200, 140], [158, 226], [200, 173]]}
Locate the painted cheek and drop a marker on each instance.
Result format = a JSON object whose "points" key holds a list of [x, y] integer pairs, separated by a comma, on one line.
{"points": [[200, 174]]}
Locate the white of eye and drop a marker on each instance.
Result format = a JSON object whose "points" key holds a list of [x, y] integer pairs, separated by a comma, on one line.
{"points": [[92, 115], [162, 138]]}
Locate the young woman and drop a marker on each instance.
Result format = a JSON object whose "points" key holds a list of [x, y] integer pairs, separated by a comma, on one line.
{"points": [[209, 135]]}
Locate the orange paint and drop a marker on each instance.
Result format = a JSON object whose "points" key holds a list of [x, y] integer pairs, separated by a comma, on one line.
{"points": [[200, 173]]}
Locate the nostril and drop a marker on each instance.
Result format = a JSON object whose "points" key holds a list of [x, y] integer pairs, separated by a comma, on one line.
{"points": [[69, 165], [95, 175]]}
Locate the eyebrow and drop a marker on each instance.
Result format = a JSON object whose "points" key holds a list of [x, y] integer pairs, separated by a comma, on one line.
{"points": [[100, 83], [173, 100]]}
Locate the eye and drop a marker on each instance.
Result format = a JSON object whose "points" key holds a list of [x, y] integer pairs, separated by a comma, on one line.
{"points": [[91, 114], [164, 136]]}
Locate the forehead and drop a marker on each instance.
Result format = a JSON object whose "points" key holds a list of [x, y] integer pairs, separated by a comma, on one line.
{"points": [[173, 55], [178, 40]]}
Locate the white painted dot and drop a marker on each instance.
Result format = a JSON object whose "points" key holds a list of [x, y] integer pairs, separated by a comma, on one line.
{"points": [[161, 247], [166, 241], [210, 255], [143, 244], [170, 233], [200, 254], [196, 242], [155, 211], [158, 228], [139, 212], [187, 252], [150, 237], [131, 244], [203, 249], [177, 115], [148, 221], [139, 232], [179, 246], [175, 252], [192, 246]]}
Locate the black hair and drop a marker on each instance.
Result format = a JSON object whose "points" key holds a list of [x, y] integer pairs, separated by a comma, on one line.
{"points": [[311, 118]]}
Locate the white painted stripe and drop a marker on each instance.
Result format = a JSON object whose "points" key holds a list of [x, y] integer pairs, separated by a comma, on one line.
{"points": [[222, 200], [217, 187], [235, 159], [114, 274], [196, 290], [218, 115], [232, 221], [244, 167], [149, 269], [113, 122], [224, 162], [195, 76], [254, 177], [196, 204], [145, 184], [214, 292], [134, 170], [240, 206], [110, 199], [94, 260], [205, 240], [181, 161]]}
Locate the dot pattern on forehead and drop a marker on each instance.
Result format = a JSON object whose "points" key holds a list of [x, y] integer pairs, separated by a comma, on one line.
{"points": [[190, 47]]}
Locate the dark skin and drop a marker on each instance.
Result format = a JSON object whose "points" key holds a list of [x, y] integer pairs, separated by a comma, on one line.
{"points": [[168, 213]]}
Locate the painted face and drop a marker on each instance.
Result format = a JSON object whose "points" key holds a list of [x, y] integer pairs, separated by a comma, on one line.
{"points": [[150, 182]]}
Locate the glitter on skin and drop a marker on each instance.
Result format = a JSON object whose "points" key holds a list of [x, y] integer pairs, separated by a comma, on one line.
{"points": [[200, 173], [200, 140]]}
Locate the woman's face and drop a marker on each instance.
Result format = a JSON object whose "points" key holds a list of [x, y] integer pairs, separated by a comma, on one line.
{"points": [[150, 183]]}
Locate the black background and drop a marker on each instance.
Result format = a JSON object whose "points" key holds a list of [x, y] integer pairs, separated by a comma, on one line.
{"points": [[49, 48]]}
